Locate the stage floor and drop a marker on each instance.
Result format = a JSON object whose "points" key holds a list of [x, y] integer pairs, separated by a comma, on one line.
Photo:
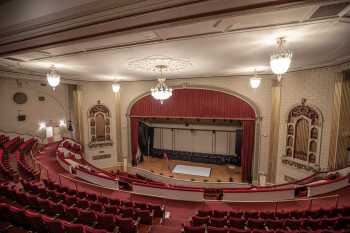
{"points": [[217, 172]]}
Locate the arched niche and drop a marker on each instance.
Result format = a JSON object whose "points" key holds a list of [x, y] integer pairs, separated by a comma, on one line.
{"points": [[304, 127], [99, 119]]}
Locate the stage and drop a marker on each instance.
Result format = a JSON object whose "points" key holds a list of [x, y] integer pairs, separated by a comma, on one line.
{"points": [[192, 170]]}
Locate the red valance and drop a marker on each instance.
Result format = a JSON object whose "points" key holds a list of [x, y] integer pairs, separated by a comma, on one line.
{"points": [[194, 103]]}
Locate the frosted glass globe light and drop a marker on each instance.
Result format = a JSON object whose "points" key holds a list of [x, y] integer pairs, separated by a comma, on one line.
{"points": [[281, 59], [53, 78], [115, 87]]}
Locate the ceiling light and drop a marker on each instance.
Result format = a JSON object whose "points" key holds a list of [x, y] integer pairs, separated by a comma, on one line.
{"points": [[42, 125], [161, 91], [62, 123], [255, 81], [115, 87], [280, 59], [53, 78]]}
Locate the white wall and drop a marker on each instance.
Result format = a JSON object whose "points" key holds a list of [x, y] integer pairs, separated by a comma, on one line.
{"points": [[53, 109], [91, 93], [195, 138]]}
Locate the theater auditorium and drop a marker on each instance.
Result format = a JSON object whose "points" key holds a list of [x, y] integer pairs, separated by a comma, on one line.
{"points": [[181, 116]]}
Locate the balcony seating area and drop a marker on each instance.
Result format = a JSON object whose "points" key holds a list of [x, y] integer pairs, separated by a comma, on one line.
{"points": [[322, 220]]}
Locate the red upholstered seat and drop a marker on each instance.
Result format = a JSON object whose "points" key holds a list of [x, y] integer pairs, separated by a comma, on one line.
{"points": [[204, 213], [126, 212], [53, 225], [211, 229], [236, 230], [145, 216], [96, 206], [275, 224], [106, 221], [199, 221], [35, 221], [193, 229], [219, 214], [236, 223], [256, 224], [217, 222], [87, 217], [113, 201], [126, 225], [72, 228], [111, 209], [94, 230], [92, 197], [159, 210], [71, 213], [83, 204]]}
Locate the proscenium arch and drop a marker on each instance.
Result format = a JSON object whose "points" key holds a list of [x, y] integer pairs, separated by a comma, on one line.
{"points": [[252, 105]]}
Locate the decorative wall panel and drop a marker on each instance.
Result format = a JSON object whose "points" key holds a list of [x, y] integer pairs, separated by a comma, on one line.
{"points": [[99, 120], [303, 137]]}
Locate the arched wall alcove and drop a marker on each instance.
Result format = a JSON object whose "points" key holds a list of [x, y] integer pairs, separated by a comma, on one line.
{"points": [[202, 103]]}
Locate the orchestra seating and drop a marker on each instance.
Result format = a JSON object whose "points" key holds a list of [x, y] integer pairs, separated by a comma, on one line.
{"points": [[218, 221]]}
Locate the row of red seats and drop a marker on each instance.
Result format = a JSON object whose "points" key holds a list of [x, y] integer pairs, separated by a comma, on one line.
{"points": [[26, 171], [71, 214], [217, 221], [334, 223], [159, 210], [38, 222], [13, 144], [211, 229], [75, 148], [293, 214]]}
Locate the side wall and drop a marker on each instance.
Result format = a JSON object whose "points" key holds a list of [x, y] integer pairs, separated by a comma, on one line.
{"points": [[54, 108], [317, 87]]}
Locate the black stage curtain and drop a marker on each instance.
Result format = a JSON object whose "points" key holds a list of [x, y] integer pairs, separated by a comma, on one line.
{"points": [[145, 139]]}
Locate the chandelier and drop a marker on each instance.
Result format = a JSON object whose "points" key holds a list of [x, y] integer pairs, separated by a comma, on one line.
{"points": [[161, 91], [115, 87], [280, 59], [53, 78], [255, 80]]}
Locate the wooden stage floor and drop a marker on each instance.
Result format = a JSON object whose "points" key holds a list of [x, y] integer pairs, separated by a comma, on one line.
{"points": [[218, 172]]}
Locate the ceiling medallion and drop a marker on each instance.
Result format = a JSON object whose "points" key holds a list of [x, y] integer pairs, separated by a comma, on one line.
{"points": [[150, 64], [160, 64], [280, 59]]}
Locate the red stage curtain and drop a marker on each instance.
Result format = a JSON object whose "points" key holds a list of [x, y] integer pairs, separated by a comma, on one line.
{"points": [[247, 150]]}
